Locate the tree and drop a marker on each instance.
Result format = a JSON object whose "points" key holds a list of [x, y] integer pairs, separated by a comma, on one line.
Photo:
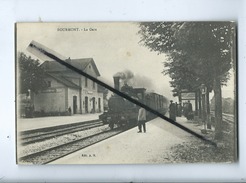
{"points": [[199, 53], [31, 76], [181, 71]]}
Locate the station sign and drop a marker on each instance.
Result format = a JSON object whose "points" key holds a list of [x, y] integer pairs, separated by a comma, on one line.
{"points": [[188, 96], [52, 90], [88, 92]]}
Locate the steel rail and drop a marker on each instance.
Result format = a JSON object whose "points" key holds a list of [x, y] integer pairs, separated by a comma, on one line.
{"points": [[62, 150], [41, 137]]}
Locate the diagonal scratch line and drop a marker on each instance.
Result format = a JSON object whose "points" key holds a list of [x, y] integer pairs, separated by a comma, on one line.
{"points": [[121, 94]]}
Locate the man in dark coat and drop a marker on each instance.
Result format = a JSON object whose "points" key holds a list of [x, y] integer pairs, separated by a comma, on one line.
{"points": [[190, 111], [172, 111], [189, 107], [179, 110]]}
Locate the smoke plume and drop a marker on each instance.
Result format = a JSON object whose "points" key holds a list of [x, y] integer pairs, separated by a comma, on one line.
{"points": [[125, 76], [136, 81], [141, 81]]}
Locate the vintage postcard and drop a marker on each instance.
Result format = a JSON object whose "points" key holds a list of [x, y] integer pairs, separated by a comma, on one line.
{"points": [[126, 93]]}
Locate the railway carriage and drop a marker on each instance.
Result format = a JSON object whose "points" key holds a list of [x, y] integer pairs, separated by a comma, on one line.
{"points": [[122, 113]]}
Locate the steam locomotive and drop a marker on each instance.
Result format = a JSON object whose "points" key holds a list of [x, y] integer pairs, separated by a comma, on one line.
{"points": [[123, 113]]}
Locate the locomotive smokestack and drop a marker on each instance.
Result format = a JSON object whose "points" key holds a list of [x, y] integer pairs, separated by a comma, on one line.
{"points": [[117, 82]]}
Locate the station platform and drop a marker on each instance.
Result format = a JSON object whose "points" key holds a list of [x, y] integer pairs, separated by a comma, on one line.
{"points": [[24, 124], [196, 126], [131, 147]]}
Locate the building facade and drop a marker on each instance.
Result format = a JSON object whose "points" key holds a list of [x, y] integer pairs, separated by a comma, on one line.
{"points": [[69, 91]]}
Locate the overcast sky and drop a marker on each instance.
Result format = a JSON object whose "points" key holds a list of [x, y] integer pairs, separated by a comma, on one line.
{"points": [[113, 46]]}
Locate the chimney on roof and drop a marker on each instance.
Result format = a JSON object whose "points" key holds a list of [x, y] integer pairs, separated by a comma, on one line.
{"points": [[117, 82]]}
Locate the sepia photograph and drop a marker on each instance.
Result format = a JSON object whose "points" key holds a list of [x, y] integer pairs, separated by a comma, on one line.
{"points": [[126, 93]]}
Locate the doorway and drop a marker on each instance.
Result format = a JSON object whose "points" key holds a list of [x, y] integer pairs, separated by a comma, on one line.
{"points": [[74, 104], [99, 104], [93, 105], [86, 104]]}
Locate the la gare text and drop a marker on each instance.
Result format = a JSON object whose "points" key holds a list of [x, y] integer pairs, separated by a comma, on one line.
{"points": [[75, 29]]}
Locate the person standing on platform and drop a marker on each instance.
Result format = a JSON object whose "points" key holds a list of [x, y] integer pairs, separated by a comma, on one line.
{"points": [[190, 111], [185, 109], [179, 114], [141, 120], [172, 111], [189, 107], [176, 107]]}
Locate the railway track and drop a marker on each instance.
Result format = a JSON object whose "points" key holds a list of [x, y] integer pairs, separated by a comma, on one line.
{"points": [[229, 118], [229, 122], [38, 135], [51, 154]]}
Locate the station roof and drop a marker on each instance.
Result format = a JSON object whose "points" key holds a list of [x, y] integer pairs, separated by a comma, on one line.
{"points": [[82, 63]]}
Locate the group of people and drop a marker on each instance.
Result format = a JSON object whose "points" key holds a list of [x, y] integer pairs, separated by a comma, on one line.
{"points": [[176, 109]]}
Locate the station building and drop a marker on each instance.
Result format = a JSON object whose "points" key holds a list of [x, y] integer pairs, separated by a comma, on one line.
{"points": [[69, 91]]}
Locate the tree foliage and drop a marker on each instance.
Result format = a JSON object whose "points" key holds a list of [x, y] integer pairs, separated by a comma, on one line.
{"points": [[31, 75], [197, 51]]}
